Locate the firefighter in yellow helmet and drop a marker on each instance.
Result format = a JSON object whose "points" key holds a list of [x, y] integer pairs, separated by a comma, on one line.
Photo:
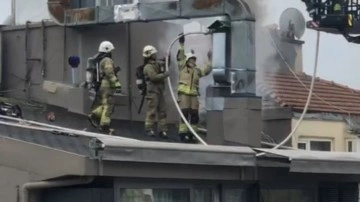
{"points": [[188, 90], [155, 76], [107, 85]]}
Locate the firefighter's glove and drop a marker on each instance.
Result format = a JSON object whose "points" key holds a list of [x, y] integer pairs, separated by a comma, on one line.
{"points": [[182, 38], [162, 68], [117, 70], [209, 55], [166, 73], [86, 85]]}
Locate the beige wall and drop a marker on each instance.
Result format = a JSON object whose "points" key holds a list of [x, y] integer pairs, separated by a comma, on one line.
{"points": [[336, 131]]}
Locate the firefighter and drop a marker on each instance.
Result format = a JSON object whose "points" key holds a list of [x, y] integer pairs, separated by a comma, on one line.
{"points": [[155, 76], [188, 90], [105, 89]]}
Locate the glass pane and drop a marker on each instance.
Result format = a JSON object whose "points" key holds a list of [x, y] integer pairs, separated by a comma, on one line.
{"points": [[235, 195], [289, 195], [302, 146], [320, 146], [154, 195], [349, 146], [203, 195]]}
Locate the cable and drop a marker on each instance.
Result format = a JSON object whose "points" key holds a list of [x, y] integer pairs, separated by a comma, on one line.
{"points": [[308, 99], [171, 89], [302, 83], [52, 128]]}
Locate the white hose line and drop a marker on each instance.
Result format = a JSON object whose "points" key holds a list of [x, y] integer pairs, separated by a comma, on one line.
{"points": [[168, 54], [57, 128], [308, 99]]}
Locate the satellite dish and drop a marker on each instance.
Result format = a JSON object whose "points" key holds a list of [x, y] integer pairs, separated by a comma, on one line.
{"points": [[293, 21]]}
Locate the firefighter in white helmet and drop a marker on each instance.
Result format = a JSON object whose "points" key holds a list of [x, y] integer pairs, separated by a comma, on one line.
{"points": [[155, 76], [188, 90], [106, 84]]}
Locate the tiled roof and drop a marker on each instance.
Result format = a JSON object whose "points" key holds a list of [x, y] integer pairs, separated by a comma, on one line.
{"points": [[328, 96]]}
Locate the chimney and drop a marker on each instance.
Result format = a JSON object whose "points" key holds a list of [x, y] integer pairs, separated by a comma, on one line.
{"points": [[290, 48], [272, 41]]}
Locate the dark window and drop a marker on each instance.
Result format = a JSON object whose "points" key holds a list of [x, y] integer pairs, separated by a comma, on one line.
{"points": [[283, 195], [302, 146], [203, 195], [320, 145], [154, 195], [350, 146], [333, 192], [239, 195]]}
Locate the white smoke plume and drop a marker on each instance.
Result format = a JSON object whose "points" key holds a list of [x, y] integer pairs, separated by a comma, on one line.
{"points": [[266, 54]]}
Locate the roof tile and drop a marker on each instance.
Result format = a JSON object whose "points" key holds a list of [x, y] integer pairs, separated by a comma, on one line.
{"points": [[328, 96]]}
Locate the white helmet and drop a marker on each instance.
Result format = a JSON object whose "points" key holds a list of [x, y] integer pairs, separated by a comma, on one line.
{"points": [[190, 55], [106, 47], [148, 51]]}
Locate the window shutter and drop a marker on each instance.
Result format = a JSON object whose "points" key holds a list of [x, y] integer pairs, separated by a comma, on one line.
{"points": [[349, 193], [329, 194]]}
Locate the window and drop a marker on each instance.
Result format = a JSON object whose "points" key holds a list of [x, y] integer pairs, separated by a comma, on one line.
{"points": [[287, 192], [350, 146], [154, 195], [293, 195], [170, 193], [320, 146], [342, 192], [302, 145], [315, 144], [235, 195]]}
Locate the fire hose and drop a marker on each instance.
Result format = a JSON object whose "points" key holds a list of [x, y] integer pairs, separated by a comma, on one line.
{"points": [[171, 89], [27, 124], [309, 96]]}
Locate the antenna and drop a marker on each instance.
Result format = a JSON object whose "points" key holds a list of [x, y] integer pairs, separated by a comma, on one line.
{"points": [[292, 23]]}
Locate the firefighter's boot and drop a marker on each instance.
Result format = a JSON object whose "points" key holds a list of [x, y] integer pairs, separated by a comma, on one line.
{"points": [[94, 120], [163, 135], [107, 130], [150, 133]]}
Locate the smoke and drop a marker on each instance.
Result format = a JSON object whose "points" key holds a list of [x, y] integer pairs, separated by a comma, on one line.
{"points": [[266, 55]]}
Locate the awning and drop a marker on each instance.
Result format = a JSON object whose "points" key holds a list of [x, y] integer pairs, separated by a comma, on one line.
{"points": [[175, 153], [319, 162]]}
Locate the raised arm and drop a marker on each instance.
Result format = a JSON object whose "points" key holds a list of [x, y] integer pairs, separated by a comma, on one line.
{"points": [[181, 53], [208, 68]]}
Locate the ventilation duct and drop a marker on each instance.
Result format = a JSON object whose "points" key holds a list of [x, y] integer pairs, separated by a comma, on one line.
{"points": [[79, 12]]}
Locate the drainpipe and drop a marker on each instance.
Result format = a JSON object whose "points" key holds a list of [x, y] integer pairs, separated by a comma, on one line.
{"points": [[24, 191]]}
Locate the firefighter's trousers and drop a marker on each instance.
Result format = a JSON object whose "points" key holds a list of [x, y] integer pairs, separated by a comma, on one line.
{"points": [[104, 107], [189, 105], [156, 108]]}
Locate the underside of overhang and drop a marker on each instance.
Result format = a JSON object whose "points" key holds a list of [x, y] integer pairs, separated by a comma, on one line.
{"points": [[42, 161], [50, 156]]}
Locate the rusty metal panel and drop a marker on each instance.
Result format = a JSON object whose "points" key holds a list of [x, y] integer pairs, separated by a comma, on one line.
{"points": [[156, 10], [201, 8], [80, 16], [57, 9]]}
